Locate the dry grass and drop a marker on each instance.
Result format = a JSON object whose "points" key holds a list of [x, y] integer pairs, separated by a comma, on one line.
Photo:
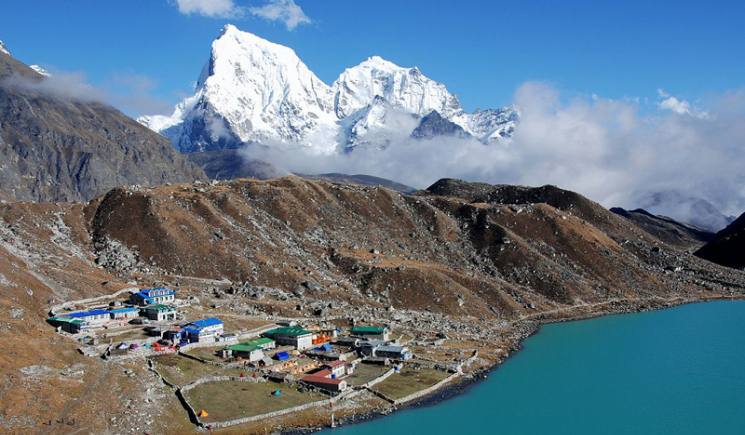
{"points": [[229, 400], [365, 373], [409, 381], [180, 370]]}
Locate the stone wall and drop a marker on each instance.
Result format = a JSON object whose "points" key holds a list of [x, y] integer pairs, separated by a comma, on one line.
{"points": [[426, 391], [55, 308]]}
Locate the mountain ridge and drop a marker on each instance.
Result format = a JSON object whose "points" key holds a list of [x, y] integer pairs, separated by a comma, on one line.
{"points": [[56, 147], [254, 91]]}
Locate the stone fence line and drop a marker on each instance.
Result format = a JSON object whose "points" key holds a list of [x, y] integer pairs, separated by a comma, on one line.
{"points": [[222, 424], [54, 308], [426, 391]]}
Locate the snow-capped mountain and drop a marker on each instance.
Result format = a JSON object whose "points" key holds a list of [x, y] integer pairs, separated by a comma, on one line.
{"points": [[489, 125], [377, 124], [251, 90], [4, 49], [255, 91], [403, 88], [39, 69]]}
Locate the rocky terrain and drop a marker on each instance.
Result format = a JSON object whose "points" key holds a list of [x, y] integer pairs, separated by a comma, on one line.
{"points": [[728, 246], [55, 146], [476, 261]]}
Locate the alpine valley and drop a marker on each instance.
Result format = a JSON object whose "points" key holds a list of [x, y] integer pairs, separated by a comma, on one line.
{"points": [[148, 285]]}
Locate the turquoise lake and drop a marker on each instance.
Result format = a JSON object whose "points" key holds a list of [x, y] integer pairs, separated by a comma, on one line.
{"points": [[675, 371]]}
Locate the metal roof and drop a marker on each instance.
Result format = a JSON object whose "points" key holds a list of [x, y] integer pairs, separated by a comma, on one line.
{"points": [[86, 313], [124, 310], [65, 320], [259, 341], [368, 330], [243, 347], [392, 348], [290, 331], [159, 291], [160, 307], [203, 323]]}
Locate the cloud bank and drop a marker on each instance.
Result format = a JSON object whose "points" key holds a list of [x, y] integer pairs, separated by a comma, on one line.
{"points": [[209, 8], [613, 151], [286, 12], [132, 93]]}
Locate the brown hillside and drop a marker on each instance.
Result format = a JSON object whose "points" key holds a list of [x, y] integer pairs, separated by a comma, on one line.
{"points": [[480, 255]]}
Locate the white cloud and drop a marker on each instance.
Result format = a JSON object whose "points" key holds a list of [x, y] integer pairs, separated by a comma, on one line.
{"points": [[675, 105], [131, 93], [610, 150], [210, 8], [285, 11]]}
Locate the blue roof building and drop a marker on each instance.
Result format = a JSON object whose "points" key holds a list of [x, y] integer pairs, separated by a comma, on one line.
{"points": [[205, 323], [203, 329], [88, 318], [89, 315], [159, 295]]}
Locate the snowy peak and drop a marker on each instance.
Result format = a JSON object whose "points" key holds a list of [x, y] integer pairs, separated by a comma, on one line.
{"points": [[263, 89], [490, 125], [378, 124], [39, 69], [251, 90], [4, 49], [405, 88], [255, 91]]}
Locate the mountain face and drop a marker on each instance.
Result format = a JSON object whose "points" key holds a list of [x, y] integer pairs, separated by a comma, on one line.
{"points": [[405, 88], [728, 246], [57, 148], [255, 91], [668, 230], [434, 125], [251, 90]]}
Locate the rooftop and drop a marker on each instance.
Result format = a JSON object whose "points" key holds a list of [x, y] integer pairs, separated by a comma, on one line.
{"points": [[290, 331], [392, 348], [124, 310], [203, 323], [369, 329], [160, 307], [147, 293], [65, 320], [243, 347], [86, 313]]}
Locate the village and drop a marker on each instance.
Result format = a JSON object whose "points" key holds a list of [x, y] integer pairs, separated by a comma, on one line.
{"points": [[227, 372]]}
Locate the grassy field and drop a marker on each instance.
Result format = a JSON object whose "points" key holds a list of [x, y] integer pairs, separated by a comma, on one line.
{"points": [[365, 373], [207, 353], [409, 381], [229, 400], [180, 370]]}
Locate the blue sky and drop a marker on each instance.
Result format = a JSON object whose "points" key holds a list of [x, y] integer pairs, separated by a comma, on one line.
{"points": [[482, 50]]}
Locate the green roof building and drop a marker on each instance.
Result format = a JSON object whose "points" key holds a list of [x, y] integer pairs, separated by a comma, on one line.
{"points": [[291, 335], [160, 312], [67, 324]]}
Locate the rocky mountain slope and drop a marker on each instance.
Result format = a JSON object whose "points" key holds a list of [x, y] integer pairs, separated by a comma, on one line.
{"points": [[56, 147], [666, 229], [460, 255], [255, 91], [728, 246]]}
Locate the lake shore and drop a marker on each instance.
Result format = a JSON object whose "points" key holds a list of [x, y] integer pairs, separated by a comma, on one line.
{"points": [[522, 330]]}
